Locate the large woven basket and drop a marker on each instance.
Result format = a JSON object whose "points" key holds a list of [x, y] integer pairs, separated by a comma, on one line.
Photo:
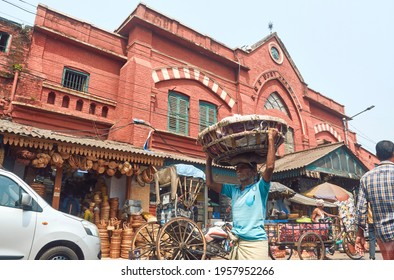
{"points": [[242, 136]]}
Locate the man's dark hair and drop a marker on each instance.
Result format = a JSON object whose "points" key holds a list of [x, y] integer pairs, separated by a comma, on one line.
{"points": [[384, 150]]}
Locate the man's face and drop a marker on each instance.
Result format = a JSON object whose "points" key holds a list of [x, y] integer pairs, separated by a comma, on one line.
{"points": [[244, 171]]}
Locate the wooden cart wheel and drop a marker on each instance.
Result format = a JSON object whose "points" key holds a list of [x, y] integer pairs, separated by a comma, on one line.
{"points": [[349, 241], [310, 247], [143, 244], [181, 239], [280, 252]]}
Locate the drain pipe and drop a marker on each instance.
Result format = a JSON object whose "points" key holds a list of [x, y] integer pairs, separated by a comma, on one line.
{"points": [[237, 91], [13, 90]]}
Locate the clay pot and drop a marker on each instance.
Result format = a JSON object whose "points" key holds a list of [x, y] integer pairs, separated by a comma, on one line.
{"points": [[112, 164], [111, 172]]}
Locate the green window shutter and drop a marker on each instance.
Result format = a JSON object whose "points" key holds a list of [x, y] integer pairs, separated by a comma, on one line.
{"points": [[178, 113], [208, 115]]}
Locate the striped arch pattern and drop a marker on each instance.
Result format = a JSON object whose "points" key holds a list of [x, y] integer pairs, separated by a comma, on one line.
{"points": [[326, 127], [169, 73]]}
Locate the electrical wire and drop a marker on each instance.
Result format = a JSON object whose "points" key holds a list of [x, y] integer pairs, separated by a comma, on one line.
{"points": [[27, 3], [191, 119], [136, 105], [362, 135], [12, 4]]}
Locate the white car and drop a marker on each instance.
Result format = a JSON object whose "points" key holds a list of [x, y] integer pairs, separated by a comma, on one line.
{"points": [[32, 230]]}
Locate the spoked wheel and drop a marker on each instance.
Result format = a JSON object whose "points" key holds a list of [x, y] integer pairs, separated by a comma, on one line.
{"points": [[349, 241], [143, 244], [310, 247], [280, 252], [181, 239]]}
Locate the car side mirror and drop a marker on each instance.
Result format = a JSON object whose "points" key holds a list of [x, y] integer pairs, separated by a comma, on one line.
{"points": [[26, 200]]}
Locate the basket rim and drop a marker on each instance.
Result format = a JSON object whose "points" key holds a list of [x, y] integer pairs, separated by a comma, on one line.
{"points": [[239, 118]]}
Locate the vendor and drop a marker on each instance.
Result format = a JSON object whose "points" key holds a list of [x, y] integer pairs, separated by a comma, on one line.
{"points": [[319, 214], [278, 206]]}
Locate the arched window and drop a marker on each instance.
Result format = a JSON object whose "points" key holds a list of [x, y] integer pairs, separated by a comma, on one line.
{"points": [[289, 141], [79, 105], [51, 98], [274, 101], [92, 108], [66, 101], [104, 111]]}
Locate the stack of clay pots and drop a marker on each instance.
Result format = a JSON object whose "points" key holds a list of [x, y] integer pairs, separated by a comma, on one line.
{"points": [[105, 208], [116, 240], [115, 233], [136, 221], [104, 238], [127, 236], [114, 206]]}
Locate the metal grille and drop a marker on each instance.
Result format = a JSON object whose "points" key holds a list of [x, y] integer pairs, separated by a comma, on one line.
{"points": [[75, 80]]}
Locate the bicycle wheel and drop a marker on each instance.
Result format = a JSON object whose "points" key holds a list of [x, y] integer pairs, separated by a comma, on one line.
{"points": [[143, 244], [280, 252], [310, 247], [349, 241], [181, 239]]}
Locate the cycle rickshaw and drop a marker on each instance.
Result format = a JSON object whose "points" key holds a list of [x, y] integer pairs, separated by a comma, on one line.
{"points": [[175, 236], [310, 240]]}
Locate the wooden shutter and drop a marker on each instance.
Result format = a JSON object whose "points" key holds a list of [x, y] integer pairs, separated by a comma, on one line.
{"points": [[178, 113], [208, 115]]}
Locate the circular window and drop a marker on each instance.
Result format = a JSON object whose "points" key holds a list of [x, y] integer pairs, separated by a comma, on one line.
{"points": [[276, 53]]}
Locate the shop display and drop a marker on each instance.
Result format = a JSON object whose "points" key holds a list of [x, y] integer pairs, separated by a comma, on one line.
{"points": [[84, 180]]}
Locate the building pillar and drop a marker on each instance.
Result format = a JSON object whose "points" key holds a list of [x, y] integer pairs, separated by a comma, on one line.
{"points": [[57, 188]]}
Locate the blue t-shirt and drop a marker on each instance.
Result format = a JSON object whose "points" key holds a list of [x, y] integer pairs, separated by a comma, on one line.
{"points": [[248, 209]]}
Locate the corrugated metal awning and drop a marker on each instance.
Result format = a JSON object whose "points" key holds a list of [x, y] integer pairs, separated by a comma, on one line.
{"points": [[315, 161], [33, 137]]}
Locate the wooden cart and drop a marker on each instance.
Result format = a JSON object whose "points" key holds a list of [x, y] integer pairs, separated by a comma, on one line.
{"points": [[175, 236], [309, 240]]}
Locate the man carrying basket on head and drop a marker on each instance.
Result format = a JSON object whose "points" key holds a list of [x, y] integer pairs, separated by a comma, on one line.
{"points": [[249, 200]]}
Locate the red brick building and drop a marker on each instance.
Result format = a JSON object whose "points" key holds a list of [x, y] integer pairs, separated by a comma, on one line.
{"points": [[84, 81]]}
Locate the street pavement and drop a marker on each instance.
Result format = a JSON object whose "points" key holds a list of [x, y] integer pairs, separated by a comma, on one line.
{"points": [[338, 255], [342, 256]]}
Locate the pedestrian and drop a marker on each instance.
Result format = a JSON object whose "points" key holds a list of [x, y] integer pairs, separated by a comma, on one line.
{"points": [[377, 189], [248, 203], [371, 234]]}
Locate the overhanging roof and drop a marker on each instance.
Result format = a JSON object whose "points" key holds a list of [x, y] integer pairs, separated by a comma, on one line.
{"points": [[335, 159], [33, 137]]}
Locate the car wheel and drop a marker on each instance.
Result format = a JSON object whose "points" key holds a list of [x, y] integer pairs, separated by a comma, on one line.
{"points": [[59, 253]]}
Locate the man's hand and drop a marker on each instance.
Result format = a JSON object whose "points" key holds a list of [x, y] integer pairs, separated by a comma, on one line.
{"points": [[360, 245], [272, 134]]}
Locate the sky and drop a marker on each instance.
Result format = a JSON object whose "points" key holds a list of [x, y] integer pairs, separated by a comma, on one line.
{"points": [[344, 49]]}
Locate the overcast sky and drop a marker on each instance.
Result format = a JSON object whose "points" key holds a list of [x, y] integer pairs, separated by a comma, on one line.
{"points": [[344, 49]]}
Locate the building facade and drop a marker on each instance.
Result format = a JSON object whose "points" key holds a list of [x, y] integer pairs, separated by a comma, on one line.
{"points": [[155, 83]]}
